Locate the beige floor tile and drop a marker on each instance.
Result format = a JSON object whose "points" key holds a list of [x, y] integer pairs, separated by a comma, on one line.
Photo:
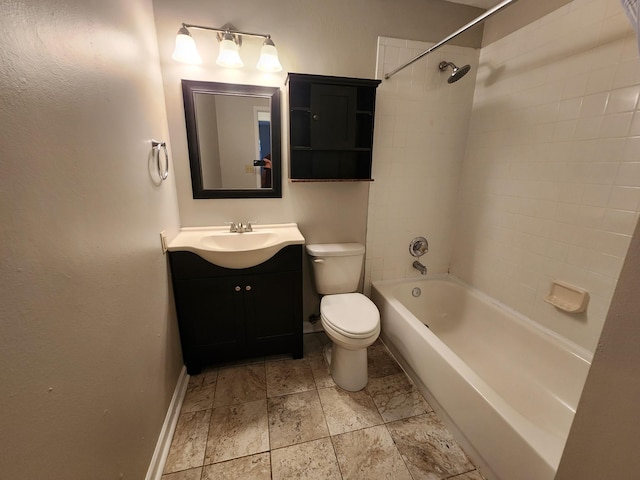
{"points": [[428, 448], [380, 363], [254, 410], [369, 454], [288, 376], [310, 344], [198, 399], [206, 379], [296, 418], [314, 343], [237, 430], [321, 372], [314, 353], [397, 397], [313, 460], [240, 384], [347, 411], [253, 467], [191, 474], [189, 442]]}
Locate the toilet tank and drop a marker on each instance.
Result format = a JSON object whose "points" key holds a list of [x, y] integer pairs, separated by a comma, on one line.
{"points": [[336, 266]]}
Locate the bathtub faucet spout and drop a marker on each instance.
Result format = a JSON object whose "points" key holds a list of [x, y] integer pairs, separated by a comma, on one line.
{"points": [[420, 267]]}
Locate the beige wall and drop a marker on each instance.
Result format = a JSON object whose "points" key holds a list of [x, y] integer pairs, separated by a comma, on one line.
{"points": [[516, 16], [330, 37], [550, 186], [89, 352]]}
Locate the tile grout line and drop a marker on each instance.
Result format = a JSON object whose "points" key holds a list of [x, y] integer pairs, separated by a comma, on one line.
{"points": [[324, 416], [206, 445]]}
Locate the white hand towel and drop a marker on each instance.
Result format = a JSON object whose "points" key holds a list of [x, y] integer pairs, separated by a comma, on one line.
{"points": [[632, 9]]}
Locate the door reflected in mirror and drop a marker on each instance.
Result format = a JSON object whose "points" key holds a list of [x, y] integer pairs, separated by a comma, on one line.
{"points": [[233, 133]]}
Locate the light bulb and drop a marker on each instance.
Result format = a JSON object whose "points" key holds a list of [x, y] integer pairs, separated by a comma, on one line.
{"points": [[229, 55], [185, 50], [268, 61]]}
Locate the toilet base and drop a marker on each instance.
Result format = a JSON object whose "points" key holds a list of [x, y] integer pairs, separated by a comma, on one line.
{"points": [[348, 367]]}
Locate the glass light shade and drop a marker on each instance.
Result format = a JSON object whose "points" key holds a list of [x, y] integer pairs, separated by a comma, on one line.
{"points": [[268, 61], [186, 51], [229, 55]]}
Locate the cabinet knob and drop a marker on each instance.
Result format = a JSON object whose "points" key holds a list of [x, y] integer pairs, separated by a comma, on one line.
{"points": [[316, 116], [237, 289], [248, 288]]}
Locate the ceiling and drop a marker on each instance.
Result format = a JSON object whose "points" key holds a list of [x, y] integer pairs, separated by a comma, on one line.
{"points": [[485, 4]]}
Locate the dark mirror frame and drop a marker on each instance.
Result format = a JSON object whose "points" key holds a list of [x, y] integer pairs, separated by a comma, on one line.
{"points": [[189, 88]]}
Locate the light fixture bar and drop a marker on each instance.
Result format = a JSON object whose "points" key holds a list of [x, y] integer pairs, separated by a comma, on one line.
{"points": [[226, 30]]}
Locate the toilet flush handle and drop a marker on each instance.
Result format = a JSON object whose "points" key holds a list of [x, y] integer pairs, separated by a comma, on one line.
{"points": [[318, 260]]}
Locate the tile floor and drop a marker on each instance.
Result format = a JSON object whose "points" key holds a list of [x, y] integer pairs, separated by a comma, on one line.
{"points": [[279, 418]]}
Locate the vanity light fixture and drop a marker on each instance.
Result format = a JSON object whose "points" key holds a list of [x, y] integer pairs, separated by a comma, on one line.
{"points": [[229, 54]]}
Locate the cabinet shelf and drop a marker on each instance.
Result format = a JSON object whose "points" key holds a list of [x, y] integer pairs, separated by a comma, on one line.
{"points": [[331, 127]]}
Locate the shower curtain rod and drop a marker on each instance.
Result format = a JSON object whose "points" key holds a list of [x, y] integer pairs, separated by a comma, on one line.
{"points": [[472, 23]]}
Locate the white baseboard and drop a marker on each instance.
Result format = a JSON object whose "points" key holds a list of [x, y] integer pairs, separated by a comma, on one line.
{"points": [[168, 428]]}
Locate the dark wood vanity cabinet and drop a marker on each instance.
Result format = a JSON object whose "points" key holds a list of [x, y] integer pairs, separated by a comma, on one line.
{"points": [[226, 314], [330, 127]]}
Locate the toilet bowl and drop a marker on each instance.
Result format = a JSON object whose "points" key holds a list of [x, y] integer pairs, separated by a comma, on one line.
{"points": [[352, 323], [350, 320]]}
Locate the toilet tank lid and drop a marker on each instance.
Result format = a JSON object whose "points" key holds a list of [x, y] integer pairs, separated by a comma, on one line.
{"points": [[335, 249]]}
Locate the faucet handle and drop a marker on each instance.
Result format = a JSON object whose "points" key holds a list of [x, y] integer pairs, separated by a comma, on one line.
{"points": [[249, 226], [233, 228]]}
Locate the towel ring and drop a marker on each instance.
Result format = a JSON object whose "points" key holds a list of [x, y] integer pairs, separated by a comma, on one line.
{"points": [[163, 171]]}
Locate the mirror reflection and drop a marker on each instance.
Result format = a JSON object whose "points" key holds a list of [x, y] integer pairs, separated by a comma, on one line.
{"points": [[234, 139]]}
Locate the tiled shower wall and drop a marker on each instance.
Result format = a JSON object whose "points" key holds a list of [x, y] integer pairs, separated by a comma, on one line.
{"points": [[420, 136], [550, 186]]}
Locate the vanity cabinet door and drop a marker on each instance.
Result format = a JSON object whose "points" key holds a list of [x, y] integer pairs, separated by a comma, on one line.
{"points": [[273, 310], [210, 313]]}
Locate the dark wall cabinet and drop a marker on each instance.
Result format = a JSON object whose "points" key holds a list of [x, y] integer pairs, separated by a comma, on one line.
{"points": [[226, 314], [331, 127]]}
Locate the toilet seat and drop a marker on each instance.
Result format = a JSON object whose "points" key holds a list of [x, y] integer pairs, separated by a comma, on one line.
{"points": [[350, 314]]}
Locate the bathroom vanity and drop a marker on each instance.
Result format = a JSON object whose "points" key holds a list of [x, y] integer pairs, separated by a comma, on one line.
{"points": [[231, 313]]}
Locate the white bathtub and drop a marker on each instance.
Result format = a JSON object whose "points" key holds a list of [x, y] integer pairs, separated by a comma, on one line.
{"points": [[507, 388]]}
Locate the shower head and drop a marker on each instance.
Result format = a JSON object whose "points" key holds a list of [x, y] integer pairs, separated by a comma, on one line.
{"points": [[457, 73]]}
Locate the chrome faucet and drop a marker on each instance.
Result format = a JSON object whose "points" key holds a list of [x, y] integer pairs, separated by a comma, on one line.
{"points": [[235, 227], [420, 267], [240, 227]]}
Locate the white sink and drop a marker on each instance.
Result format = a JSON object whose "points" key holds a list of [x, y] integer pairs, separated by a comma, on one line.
{"points": [[239, 242], [236, 250]]}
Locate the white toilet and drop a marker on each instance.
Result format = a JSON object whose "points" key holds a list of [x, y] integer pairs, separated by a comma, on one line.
{"points": [[350, 320]]}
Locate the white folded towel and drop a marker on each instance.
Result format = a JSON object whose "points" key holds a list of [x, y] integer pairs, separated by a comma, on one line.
{"points": [[632, 9]]}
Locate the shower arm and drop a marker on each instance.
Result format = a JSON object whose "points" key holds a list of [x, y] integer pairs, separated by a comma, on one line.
{"points": [[472, 23]]}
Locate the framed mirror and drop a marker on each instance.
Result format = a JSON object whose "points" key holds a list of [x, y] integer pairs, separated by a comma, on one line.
{"points": [[234, 136]]}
